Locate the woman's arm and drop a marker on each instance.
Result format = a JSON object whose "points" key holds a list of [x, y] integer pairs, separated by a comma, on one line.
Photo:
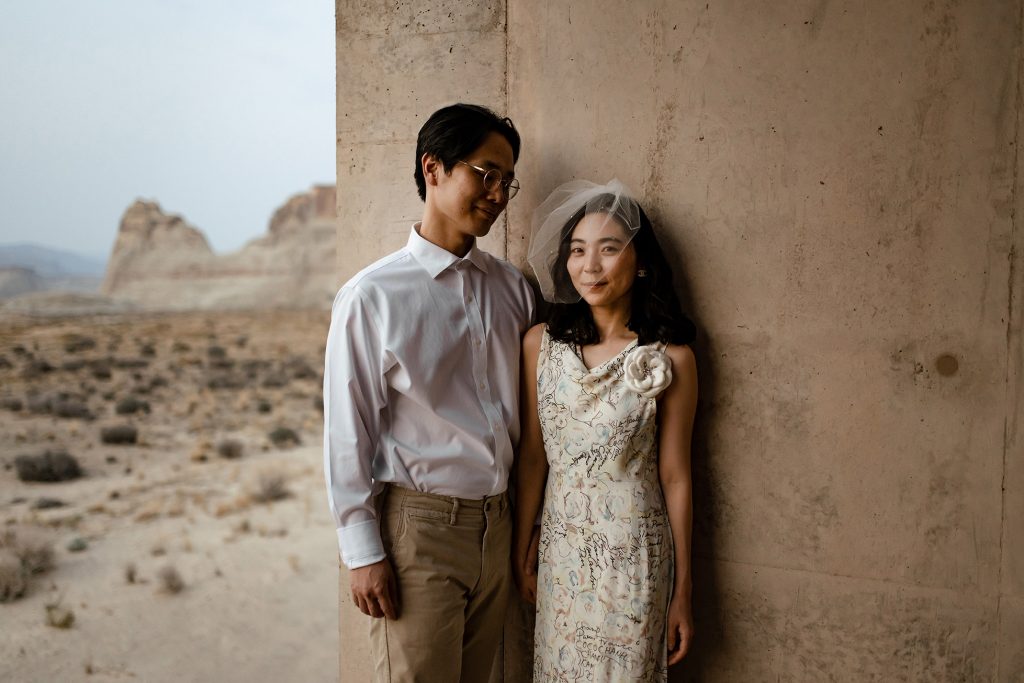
{"points": [[676, 408], [531, 469]]}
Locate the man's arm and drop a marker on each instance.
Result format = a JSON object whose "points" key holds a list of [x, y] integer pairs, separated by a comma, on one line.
{"points": [[354, 395]]}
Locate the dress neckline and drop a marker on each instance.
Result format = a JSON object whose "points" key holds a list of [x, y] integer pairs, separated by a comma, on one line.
{"points": [[577, 352]]}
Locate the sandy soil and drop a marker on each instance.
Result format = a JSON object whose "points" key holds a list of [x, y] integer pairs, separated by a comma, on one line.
{"points": [[259, 601]]}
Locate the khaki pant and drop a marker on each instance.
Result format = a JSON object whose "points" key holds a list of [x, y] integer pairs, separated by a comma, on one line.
{"points": [[451, 558]]}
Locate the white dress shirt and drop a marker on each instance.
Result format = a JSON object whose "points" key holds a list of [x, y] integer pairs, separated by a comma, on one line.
{"points": [[421, 383]]}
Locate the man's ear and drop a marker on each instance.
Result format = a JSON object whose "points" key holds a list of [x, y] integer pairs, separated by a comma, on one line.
{"points": [[432, 168]]}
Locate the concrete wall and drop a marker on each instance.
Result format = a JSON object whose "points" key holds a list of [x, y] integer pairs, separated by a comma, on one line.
{"points": [[837, 185]]}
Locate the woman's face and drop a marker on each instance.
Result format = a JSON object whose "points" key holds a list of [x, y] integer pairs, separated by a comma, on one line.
{"points": [[602, 262]]}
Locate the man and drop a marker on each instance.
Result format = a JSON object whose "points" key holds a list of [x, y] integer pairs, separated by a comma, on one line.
{"points": [[421, 413]]}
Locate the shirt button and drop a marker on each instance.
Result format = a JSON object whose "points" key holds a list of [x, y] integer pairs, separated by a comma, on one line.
{"points": [[481, 386], [469, 297], [476, 343]]}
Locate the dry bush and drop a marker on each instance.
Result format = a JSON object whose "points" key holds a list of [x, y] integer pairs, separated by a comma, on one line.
{"points": [[24, 552], [170, 580], [49, 466], [59, 616], [226, 380], [33, 547], [13, 581], [131, 573], [283, 437], [119, 434], [100, 369], [131, 405], [36, 367], [270, 486], [71, 408], [13, 404], [230, 449], [73, 343]]}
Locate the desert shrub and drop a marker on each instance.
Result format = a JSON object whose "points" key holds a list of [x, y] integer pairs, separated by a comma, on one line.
{"points": [[241, 341], [40, 405], [119, 434], [180, 347], [254, 365], [130, 363], [36, 367], [298, 368], [225, 380], [49, 466], [100, 369], [13, 582], [230, 449], [170, 580], [59, 616], [131, 405], [11, 403], [33, 548], [71, 408], [5, 364], [73, 343], [270, 486], [77, 544], [216, 352], [221, 364], [264, 406], [73, 365], [147, 350], [318, 402], [275, 380], [131, 573], [158, 381], [282, 437], [44, 503]]}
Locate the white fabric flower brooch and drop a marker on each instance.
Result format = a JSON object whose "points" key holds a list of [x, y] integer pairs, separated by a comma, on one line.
{"points": [[648, 371]]}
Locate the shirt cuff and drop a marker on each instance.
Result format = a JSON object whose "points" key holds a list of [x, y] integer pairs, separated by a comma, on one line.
{"points": [[360, 544]]}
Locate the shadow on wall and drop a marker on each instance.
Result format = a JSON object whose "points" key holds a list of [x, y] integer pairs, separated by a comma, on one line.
{"points": [[707, 645]]}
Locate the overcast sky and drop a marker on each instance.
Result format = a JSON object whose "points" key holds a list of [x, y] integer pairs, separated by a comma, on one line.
{"points": [[217, 110]]}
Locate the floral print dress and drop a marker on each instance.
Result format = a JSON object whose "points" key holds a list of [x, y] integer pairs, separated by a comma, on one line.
{"points": [[606, 559]]}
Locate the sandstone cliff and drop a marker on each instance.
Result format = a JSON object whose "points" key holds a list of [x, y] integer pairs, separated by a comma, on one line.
{"points": [[161, 262]]}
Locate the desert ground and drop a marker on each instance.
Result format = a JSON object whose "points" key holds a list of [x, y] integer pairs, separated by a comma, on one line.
{"points": [[195, 543]]}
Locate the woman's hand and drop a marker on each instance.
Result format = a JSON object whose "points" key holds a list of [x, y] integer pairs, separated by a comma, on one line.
{"points": [[680, 627], [524, 569]]}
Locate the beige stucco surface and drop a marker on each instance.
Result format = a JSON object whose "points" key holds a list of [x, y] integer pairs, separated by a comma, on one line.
{"points": [[836, 184]]}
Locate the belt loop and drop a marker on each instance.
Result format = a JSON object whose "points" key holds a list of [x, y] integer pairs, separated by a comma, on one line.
{"points": [[455, 510]]}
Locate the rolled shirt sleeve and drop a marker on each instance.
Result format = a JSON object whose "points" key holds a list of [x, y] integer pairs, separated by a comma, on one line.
{"points": [[355, 393]]}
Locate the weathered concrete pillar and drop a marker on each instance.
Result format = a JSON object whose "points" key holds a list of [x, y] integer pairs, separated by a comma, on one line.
{"points": [[399, 61], [837, 184]]}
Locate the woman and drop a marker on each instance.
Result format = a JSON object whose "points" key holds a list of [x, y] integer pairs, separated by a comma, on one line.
{"points": [[609, 393]]}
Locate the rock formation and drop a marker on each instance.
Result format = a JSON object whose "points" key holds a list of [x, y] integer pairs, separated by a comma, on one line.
{"points": [[161, 262]]}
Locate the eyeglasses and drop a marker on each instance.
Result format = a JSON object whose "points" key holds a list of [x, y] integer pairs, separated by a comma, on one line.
{"points": [[492, 179]]}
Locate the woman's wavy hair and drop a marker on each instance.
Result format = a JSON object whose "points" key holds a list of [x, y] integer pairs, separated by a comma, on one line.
{"points": [[655, 313]]}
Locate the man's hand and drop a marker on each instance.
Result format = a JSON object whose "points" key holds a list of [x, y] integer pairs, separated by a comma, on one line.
{"points": [[374, 590], [524, 569]]}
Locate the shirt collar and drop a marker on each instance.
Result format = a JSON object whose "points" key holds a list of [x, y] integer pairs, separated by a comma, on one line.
{"points": [[435, 260]]}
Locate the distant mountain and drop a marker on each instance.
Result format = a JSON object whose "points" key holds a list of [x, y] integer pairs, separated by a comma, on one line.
{"points": [[48, 262], [160, 262]]}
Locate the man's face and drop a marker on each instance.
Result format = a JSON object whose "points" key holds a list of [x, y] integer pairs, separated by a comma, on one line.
{"points": [[460, 197]]}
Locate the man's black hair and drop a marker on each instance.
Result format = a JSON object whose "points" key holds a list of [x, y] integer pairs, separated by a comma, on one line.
{"points": [[452, 133]]}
